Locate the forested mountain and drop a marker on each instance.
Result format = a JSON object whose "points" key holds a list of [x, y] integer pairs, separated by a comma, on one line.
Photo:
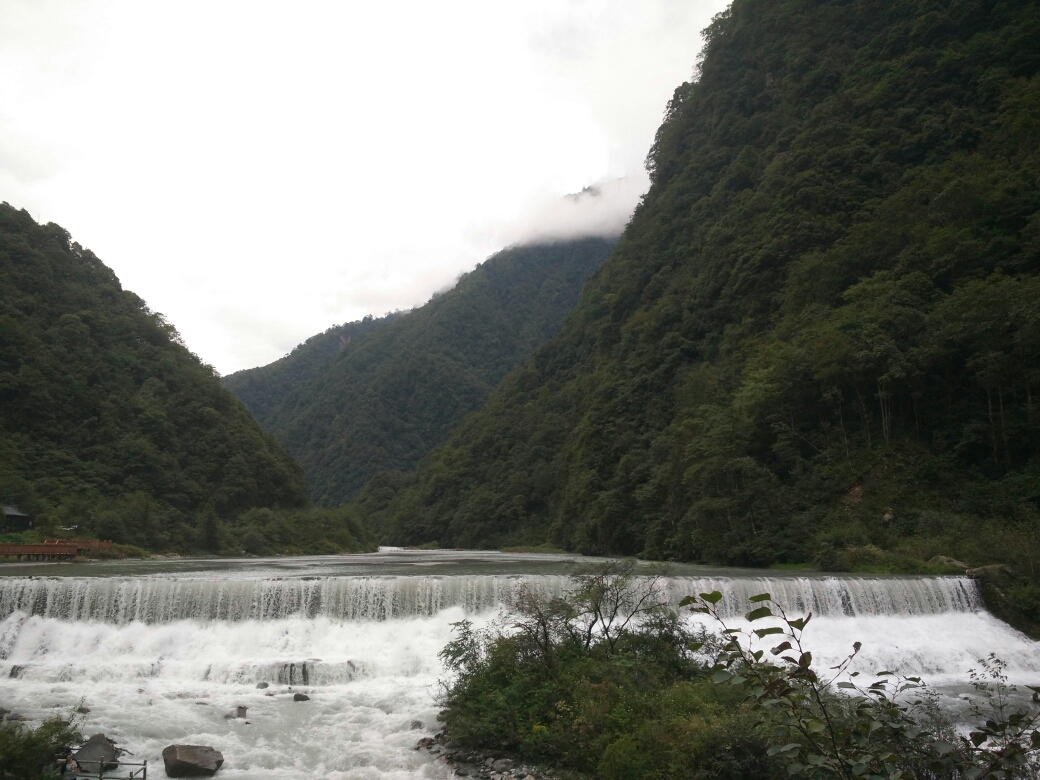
{"points": [[819, 336], [376, 395], [107, 421]]}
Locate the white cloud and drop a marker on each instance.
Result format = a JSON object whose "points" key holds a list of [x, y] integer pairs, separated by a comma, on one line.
{"points": [[258, 171]]}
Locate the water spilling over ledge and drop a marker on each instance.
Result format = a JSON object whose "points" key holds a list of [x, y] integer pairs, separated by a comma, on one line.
{"points": [[168, 599], [162, 651]]}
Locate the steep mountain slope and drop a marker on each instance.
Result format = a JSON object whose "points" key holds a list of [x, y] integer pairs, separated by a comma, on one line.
{"points": [[377, 395], [101, 402], [818, 337]]}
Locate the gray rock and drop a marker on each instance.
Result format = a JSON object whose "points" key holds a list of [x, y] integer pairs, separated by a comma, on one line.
{"points": [[502, 765], [301, 697], [261, 686], [97, 753], [425, 742], [191, 760], [416, 725], [83, 710]]}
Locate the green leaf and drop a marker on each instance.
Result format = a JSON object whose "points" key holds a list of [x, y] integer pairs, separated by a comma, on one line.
{"points": [[758, 614], [687, 601], [761, 632], [760, 597], [712, 598], [800, 623], [721, 676], [846, 685]]}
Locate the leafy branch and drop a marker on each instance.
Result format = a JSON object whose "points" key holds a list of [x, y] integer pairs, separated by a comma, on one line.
{"points": [[831, 725]]}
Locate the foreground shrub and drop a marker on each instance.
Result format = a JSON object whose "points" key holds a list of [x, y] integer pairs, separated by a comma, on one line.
{"points": [[878, 730], [605, 681], [27, 753]]}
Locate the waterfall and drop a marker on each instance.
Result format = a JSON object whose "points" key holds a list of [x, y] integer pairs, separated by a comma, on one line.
{"points": [[168, 657], [167, 599]]}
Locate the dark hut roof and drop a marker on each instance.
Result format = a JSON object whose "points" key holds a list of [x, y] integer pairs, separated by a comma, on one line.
{"points": [[10, 510]]}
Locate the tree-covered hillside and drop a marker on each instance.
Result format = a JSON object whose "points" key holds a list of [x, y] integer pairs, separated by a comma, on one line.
{"points": [[376, 395], [107, 422], [819, 337]]}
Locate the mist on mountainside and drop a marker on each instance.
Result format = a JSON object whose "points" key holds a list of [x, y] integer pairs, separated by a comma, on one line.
{"points": [[816, 341]]}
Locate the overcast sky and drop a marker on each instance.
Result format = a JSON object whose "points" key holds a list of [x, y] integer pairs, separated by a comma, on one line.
{"points": [[261, 171]]}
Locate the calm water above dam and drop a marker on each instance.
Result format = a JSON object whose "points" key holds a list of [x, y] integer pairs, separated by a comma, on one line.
{"points": [[160, 651]]}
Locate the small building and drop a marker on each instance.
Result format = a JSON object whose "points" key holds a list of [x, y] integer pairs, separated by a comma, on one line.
{"points": [[14, 520]]}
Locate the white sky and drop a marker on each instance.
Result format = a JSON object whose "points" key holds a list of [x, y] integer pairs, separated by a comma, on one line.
{"points": [[259, 171]]}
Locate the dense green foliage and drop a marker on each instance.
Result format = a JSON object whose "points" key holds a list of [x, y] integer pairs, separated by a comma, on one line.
{"points": [[28, 753], [107, 422], [611, 681], [567, 685], [379, 394], [818, 338]]}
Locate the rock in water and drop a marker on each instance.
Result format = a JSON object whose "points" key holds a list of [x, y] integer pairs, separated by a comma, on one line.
{"points": [[191, 761], [301, 697], [97, 753]]}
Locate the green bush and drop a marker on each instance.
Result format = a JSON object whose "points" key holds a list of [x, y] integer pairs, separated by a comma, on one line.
{"points": [[27, 753], [605, 681]]}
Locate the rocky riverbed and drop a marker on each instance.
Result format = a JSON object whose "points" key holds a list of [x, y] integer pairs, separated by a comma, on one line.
{"points": [[483, 764]]}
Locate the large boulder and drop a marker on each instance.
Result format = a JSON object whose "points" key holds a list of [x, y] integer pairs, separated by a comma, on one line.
{"points": [[97, 753], [191, 761]]}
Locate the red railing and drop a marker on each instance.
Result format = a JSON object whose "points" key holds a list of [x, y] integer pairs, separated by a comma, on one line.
{"points": [[55, 548]]}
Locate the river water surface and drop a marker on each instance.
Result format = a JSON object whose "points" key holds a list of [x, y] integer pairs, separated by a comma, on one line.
{"points": [[161, 651]]}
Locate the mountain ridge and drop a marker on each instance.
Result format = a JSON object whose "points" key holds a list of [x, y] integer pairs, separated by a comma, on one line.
{"points": [[105, 413], [377, 394], [814, 340]]}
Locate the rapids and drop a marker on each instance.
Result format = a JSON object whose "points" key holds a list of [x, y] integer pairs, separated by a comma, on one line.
{"points": [[160, 652]]}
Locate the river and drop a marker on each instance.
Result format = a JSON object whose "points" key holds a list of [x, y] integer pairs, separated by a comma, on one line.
{"points": [[161, 651]]}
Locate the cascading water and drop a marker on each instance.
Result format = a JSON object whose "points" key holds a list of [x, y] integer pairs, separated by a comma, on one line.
{"points": [[163, 600], [161, 657]]}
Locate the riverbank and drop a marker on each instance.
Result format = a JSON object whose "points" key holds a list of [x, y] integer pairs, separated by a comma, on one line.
{"points": [[488, 765]]}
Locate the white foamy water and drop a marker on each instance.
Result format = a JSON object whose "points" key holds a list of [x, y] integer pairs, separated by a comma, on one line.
{"points": [[160, 658]]}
